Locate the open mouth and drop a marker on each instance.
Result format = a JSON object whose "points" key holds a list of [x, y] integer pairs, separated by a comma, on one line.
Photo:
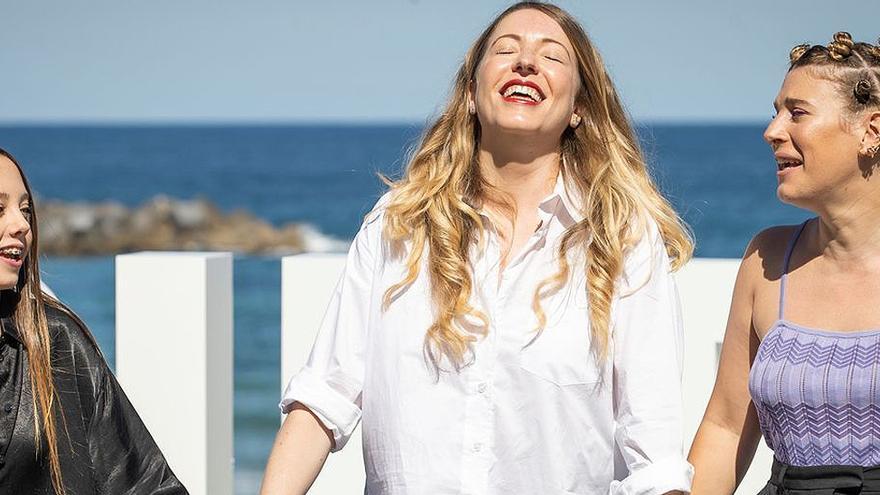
{"points": [[12, 253], [522, 92], [784, 164]]}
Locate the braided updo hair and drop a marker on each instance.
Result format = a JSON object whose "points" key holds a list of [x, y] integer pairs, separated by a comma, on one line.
{"points": [[855, 67]]}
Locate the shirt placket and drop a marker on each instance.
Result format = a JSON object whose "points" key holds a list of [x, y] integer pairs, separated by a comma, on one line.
{"points": [[479, 427]]}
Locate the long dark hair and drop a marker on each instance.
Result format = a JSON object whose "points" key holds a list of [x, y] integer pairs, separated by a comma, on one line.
{"points": [[25, 305]]}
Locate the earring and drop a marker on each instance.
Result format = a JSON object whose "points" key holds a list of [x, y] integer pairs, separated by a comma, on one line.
{"points": [[575, 120], [873, 150], [472, 108]]}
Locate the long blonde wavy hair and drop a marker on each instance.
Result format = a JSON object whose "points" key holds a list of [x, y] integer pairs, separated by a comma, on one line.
{"points": [[434, 206]]}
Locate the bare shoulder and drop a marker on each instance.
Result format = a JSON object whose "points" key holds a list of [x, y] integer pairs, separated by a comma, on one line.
{"points": [[765, 253], [761, 272]]}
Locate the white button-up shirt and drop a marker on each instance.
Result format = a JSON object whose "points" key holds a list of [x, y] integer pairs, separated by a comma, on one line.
{"points": [[527, 415]]}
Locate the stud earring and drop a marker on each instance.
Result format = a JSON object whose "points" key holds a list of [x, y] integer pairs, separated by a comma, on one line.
{"points": [[471, 107], [575, 120]]}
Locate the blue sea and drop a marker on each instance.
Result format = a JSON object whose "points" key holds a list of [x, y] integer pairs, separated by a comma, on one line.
{"points": [[721, 178]]}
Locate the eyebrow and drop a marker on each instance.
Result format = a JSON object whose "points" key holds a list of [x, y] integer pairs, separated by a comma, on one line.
{"points": [[542, 40], [789, 102], [5, 197]]}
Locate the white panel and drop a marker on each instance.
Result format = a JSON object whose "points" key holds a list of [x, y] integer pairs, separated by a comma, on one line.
{"points": [[174, 358]]}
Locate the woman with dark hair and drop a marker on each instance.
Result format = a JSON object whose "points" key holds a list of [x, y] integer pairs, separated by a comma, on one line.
{"points": [[66, 426], [507, 321], [797, 363]]}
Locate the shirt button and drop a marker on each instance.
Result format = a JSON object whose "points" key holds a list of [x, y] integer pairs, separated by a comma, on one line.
{"points": [[481, 388], [8, 408], [478, 447]]}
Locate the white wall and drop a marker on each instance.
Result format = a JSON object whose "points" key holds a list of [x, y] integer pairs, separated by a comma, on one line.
{"points": [[705, 286]]}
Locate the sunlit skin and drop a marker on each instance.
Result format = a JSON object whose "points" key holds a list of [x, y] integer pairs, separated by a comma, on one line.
{"points": [[15, 208], [529, 46], [825, 138]]}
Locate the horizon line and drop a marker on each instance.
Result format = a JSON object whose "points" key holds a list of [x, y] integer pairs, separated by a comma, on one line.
{"points": [[324, 122]]}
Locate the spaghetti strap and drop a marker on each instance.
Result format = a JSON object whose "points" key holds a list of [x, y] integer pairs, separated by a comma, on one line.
{"points": [[784, 277]]}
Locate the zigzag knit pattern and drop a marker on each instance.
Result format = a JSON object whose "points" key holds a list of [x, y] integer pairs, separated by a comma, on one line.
{"points": [[817, 396]]}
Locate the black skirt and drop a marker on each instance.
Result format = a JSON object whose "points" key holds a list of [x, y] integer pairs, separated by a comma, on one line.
{"points": [[822, 480]]}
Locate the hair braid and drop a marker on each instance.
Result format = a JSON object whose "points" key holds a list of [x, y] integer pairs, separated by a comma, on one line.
{"points": [[854, 66]]}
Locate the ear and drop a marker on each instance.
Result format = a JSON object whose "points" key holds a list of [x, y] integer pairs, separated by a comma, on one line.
{"points": [[577, 116], [871, 138]]}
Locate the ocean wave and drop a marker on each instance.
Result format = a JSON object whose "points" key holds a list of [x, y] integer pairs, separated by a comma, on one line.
{"points": [[315, 241]]}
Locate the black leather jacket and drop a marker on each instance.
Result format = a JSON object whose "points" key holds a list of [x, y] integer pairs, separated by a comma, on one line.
{"points": [[103, 445]]}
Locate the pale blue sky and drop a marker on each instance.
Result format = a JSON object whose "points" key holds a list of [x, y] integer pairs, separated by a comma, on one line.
{"points": [[386, 61]]}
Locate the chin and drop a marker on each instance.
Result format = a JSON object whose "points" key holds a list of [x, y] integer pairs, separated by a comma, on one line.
{"points": [[523, 128], [793, 197], [8, 282]]}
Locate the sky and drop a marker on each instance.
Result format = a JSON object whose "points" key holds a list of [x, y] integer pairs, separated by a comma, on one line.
{"points": [[382, 61]]}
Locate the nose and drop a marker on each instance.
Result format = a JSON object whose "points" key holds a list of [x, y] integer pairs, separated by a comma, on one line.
{"points": [[19, 224], [525, 63], [774, 134]]}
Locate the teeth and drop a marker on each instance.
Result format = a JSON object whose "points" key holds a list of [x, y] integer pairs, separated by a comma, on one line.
{"points": [[11, 252], [523, 90], [786, 164]]}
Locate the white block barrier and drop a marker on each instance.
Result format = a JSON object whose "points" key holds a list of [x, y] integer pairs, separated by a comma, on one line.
{"points": [[307, 282], [174, 359], [705, 287]]}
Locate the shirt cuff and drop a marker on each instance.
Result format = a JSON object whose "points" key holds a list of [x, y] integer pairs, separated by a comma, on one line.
{"points": [[334, 410], [657, 478]]}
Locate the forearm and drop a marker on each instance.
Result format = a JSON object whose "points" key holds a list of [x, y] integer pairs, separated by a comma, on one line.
{"points": [[300, 449], [720, 458]]}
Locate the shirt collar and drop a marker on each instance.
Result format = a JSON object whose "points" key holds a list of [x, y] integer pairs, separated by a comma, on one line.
{"points": [[562, 202], [10, 330]]}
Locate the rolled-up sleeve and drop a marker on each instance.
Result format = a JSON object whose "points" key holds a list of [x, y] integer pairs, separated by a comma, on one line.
{"points": [[647, 336], [331, 382]]}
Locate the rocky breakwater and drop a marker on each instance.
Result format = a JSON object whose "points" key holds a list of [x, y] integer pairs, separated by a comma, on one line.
{"points": [[68, 229]]}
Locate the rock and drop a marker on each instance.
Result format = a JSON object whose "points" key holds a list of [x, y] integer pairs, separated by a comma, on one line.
{"points": [[164, 223]]}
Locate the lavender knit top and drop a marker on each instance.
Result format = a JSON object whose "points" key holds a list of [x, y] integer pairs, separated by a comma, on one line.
{"points": [[816, 391]]}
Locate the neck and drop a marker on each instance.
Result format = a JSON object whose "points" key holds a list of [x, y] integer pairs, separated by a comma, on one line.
{"points": [[526, 176], [849, 233]]}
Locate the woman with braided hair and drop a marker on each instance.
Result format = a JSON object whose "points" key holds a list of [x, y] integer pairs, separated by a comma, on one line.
{"points": [[800, 362], [506, 321]]}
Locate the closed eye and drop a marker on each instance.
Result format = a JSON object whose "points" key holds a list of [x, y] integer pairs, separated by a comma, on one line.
{"points": [[796, 113]]}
